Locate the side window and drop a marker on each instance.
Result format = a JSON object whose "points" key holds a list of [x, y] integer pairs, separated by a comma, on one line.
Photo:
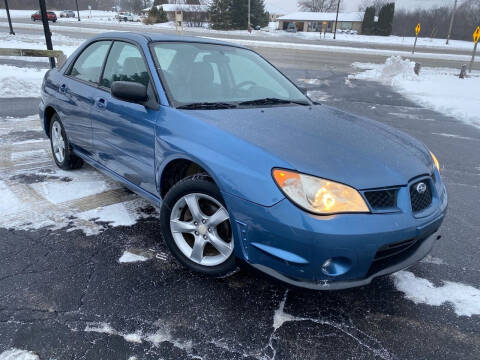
{"points": [[88, 65], [125, 63]]}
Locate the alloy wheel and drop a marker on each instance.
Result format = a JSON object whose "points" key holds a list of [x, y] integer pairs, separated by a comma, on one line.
{"points": [[200, 226], [58, 142]]}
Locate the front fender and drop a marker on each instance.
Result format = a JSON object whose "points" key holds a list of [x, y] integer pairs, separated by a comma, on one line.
{"points": [[238, 167]]}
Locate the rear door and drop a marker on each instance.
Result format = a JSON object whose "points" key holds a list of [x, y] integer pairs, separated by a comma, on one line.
{"points": [[78, 91], [124, 132]]}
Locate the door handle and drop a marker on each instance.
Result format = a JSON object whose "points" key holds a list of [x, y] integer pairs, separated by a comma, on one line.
{"points": [[63, 89], [100, 103]]}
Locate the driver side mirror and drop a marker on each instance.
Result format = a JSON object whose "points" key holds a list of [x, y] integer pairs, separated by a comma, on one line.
{"points": [[129, 91]]}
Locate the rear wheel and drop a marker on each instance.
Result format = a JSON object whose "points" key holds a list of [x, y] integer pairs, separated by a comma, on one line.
{"points": [[61, 149], [196, 227]]}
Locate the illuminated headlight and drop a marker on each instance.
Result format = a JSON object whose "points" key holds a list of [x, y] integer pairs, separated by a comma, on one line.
{"points": [[435, 161], [317, 195]]}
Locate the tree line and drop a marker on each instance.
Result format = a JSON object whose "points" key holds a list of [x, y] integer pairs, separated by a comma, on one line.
{"points": [[435, 22]]}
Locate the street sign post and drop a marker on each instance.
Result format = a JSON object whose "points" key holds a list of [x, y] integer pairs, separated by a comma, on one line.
{"points": [[417, 31], [476, 37], [179, 21]]}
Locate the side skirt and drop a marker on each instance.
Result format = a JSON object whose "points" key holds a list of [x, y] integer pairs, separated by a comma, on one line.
{"points": [[156, 201]]}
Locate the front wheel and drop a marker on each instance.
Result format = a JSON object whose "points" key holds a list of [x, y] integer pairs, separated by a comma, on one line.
{"points": [[196, 227], [61, 149]]}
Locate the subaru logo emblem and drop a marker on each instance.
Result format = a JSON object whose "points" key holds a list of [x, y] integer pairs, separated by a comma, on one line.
{"points": [[421, 188]]}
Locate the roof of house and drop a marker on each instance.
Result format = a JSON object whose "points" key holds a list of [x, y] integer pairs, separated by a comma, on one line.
{"points": [[323, 16], [184, 7]]}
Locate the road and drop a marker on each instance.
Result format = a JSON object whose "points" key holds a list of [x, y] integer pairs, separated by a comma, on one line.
{"points": [[64, 295], [342, 54]]}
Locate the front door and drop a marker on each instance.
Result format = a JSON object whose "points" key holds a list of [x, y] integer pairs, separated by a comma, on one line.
{"points": [[124, 132], [78, 91]]}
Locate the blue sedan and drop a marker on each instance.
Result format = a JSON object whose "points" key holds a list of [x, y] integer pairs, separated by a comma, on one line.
{"points": [[243, 165]]}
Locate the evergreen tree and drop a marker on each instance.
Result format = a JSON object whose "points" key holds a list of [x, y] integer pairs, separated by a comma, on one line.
{"points": [[385, 19], [220, 12], [368, 24], [259, 17], [157, 15], [159, 2], [239, 14]]}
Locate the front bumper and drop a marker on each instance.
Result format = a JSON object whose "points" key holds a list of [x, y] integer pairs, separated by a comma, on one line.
{"points": [[292, 245]]}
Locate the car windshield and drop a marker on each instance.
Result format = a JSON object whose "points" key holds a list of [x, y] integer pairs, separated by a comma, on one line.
{"points": [[198, 75]]}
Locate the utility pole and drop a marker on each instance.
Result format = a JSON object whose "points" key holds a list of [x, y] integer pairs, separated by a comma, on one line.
{"points": [[451, 21], [46, 30], [78, 12], [336, 21], [8, 16], [248, 16]]}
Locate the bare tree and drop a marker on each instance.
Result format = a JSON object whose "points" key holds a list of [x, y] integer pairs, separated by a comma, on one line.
{"points": [[318, 5]]}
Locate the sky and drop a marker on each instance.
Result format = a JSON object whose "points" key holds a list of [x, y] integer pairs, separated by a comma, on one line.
{"points": [[288, 6]]}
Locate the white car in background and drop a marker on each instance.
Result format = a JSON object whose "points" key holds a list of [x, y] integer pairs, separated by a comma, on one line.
{"points": [[127, 16]]}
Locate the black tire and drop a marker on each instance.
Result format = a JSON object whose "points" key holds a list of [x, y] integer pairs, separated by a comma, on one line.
{"points": [[196, 184], [70, 160]]}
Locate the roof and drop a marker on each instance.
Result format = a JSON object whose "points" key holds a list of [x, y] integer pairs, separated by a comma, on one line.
{"points": [[184, 7], [147, 37], [323, 16]]}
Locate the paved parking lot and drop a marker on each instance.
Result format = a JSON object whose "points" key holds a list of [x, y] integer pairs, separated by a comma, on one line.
{"points": [[65, 295]]}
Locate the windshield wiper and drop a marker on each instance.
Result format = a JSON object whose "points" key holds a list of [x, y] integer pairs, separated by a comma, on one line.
{"points": [[272, 101], [207, 105]]}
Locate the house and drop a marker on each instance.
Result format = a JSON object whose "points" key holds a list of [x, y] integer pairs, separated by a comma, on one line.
{"points": [[324, 22]]}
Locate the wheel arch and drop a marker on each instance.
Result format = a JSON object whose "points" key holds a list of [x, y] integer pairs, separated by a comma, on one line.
{"points": [[47, 117], [176, 168]]}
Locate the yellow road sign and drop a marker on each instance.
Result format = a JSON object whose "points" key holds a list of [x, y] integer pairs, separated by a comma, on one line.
{"points": [[417, 29], [476, 35]]}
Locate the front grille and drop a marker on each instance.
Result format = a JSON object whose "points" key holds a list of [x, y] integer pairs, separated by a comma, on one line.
{"points": [[420, 201], [393, 249], [392, 254], [382, 199]]}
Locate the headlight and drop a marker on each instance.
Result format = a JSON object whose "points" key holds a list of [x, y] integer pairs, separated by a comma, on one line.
{"points": [[435, 161], [318, 195]]}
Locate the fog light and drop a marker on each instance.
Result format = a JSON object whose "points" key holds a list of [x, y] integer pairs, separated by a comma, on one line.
{"points": [[336, 266]]}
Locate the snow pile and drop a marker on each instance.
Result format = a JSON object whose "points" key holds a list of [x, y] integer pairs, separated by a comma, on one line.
{"points": [[130, 257], [17, 354], [465, 299], [20, 82], [438, 89]]}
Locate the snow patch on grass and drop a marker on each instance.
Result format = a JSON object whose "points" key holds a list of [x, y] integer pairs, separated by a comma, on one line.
{"points": [[465, 299], [438, 89], [17, 354]]}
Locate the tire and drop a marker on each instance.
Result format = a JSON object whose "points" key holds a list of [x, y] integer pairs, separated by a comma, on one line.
{"points": [[61, 148], [201, 231]]}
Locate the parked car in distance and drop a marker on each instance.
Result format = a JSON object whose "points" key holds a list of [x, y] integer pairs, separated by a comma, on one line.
{"points": [[243, 165], [51, 16], [292, 27], [127, 16], [67, 14]]}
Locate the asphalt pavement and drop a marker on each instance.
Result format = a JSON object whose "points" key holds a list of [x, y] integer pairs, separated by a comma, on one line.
{"points": [[65, 295]]}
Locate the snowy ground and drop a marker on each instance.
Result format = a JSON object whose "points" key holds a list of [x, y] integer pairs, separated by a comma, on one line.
{"points": [[439, 89]]}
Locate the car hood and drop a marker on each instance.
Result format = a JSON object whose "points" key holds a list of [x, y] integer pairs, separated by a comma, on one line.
{"points": [[329, 143]]}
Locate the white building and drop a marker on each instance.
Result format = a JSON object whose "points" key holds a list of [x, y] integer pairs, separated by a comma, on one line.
{"points": [[316, 21]]}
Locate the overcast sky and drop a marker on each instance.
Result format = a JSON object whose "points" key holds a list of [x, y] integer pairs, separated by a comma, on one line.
{"points": [[352, 5]]}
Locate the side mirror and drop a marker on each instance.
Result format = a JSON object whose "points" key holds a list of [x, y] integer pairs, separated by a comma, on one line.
{"points": [[129, 91]]}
